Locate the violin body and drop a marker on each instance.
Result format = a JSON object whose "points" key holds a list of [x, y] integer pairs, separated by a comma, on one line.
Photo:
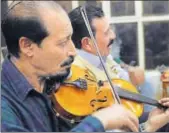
{"points": [[75, 100], [120, 85], [73, 103]]}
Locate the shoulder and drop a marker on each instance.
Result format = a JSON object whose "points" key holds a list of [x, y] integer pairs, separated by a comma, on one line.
{"points": [[79, 61], [7, 111], [8, 99], [11, 121], [110, 60], [6, 103]]}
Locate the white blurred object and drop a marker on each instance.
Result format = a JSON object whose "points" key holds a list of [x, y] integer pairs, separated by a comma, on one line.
{"points": [[2, 58], [116, 47], [154, 78]]}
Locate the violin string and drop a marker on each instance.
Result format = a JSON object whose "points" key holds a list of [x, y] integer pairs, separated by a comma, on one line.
{"points": [[84, 15]]}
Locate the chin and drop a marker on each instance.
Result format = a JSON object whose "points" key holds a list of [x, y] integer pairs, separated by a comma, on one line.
{"points": [[58, 77], [62, 76], [105, 54]]}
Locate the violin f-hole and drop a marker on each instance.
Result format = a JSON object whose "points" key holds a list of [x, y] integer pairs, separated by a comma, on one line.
{"points": [[94, 102]]}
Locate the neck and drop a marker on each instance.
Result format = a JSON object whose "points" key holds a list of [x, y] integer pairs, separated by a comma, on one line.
{"points": [[29, 73], [91, 58]]}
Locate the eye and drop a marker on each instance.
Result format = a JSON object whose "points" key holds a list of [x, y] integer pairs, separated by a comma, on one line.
{"points": [[106, 33], [63, 44]]}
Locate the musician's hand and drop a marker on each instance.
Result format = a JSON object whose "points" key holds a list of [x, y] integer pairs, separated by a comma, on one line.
{"points": [[158, 117], [117, 117], [136, 74], [164, 101]]}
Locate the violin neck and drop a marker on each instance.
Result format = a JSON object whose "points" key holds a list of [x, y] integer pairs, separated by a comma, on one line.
{"points": [[138, 98]]}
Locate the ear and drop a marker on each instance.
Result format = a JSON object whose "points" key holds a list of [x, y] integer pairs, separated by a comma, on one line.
{"points": [[86, 43], [26, 46]]}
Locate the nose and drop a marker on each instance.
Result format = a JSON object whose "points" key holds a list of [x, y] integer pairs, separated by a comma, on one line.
{"points": [[72, 49]]}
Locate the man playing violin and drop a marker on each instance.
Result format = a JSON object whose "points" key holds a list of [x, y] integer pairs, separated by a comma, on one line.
{"points": [[105, 36], [87, 56], [38, 37]]}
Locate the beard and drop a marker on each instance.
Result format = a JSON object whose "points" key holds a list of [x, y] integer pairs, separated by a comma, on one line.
{"points": [[59, 77], [62, 75], [50, 81]]}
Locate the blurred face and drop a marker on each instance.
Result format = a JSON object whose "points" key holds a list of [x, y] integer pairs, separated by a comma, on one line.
{"points": [[54, 56], [104, 35]]}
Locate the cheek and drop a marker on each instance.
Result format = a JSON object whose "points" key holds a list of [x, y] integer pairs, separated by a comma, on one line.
{"points": [[104, 41], [54, 56], [46, 58], [57, 56], [103, 45], [51, 55]]}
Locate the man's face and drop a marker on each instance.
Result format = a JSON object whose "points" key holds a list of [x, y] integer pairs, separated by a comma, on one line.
{"points": [[104, 35], [53, 57]]}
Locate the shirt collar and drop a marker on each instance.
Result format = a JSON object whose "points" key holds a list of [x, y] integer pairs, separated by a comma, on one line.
{"points": [[15, 78], [91, 58]]}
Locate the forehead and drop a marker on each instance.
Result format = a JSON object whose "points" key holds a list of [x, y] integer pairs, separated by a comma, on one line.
{"points": [[57, 23], [101, 24]]}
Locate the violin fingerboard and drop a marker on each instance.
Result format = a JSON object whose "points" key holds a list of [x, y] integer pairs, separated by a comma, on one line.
{"points": [[138, 98]]}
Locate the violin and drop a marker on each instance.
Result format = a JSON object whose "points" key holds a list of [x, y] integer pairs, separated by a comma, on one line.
{"points": [[81, 94]]}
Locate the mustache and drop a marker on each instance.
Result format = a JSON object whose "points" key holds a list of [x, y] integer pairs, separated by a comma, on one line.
{"points": [[68, 62], [111, 42]]}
